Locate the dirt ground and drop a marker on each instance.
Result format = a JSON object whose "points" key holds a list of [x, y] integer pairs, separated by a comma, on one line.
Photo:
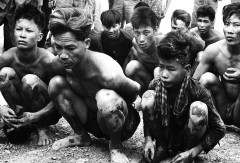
{"points": [[227, 152]]}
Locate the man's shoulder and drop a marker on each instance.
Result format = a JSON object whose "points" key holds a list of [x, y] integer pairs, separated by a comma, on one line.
{"points": [[126, 34], [217, 34], [194, 31]]}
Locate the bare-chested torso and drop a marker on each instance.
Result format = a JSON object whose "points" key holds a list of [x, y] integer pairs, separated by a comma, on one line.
{"points": [[222, 61], [40, 66], [87, 81]]}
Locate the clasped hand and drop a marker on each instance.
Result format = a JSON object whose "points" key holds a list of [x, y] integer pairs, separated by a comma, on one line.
{"points": [[14, 121], [232, 75]]}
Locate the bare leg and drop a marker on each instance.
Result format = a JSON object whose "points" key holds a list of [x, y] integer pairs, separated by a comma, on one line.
{"points": [[67, 101], [111, 117], [9, 86], [212, 83], [153, 127], [137, 72], [197, 123]]}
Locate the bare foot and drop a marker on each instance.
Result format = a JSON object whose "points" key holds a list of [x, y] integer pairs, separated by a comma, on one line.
{"points": [[44, 137], [117, 156], [75, 140]]}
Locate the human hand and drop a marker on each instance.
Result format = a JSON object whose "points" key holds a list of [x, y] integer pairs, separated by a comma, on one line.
{"points": [[23, 120], [232, 75], [183, 157], [148, 150]]}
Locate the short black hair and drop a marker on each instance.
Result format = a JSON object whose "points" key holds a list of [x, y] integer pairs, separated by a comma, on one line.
{"points": [[144, 16], [110, 17], [30, 11], [230, 10], [140, 4], [71, 20], [181, 15], [175, 45], [206, 11]]}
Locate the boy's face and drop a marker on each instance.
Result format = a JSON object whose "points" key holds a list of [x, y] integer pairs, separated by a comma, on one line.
{"points": [[144, 36], [26, 33], [179, 25], [231, 30], [204, 24], [113, 32], [171, 72], [70, 50]]}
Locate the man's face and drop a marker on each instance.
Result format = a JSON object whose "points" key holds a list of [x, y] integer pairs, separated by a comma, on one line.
{"points": [[26, 34], [171, 72], [231, 30], [204, 24], [113, 32], [144, 36], [70, 50], [179, 25]]}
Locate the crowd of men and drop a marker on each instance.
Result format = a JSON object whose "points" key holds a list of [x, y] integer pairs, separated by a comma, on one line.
{"points": [[186, 83]]}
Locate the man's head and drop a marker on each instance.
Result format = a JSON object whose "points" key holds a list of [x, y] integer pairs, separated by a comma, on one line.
{"points": [[180, 20], [29, 22], [174, 56], [111, 21], [231, 20], [70, 28], [205, 18], [144, 22], [140, 4]]}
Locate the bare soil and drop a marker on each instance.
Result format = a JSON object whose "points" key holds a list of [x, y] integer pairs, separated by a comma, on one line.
{"points": [[226, 152]]}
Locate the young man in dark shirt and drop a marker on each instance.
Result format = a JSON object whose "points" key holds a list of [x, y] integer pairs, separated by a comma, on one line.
{"points": [[115, 42], [178, 112]]}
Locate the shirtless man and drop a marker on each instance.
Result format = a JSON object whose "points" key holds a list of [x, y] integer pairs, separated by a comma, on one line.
{"points": [[205, 20], [91, 91], [144, 22], [225, 56], [24, 76]]}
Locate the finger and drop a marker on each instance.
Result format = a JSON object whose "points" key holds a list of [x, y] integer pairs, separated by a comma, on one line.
{"points": [[152, 153], [147, 156]]}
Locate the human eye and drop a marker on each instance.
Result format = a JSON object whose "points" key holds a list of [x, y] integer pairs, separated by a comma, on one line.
{"points": [[137, 33], [226, 23], [29, 30], [236, 25], [161, 66], [146, 33], [57, 47]]}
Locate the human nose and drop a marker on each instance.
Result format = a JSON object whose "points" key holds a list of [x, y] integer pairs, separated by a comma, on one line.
{"points": [[63, 55], [230, 29], [23, 33], [165, 74], [141, 38]]}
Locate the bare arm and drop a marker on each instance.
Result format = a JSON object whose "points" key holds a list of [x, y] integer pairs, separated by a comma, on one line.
{"points": [[205, 62]]}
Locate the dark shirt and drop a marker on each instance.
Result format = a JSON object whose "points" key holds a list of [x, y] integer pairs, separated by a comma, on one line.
{"points": [[216, 128], [118, 49]]}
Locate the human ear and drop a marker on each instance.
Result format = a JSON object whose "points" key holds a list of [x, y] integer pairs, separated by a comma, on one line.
{"points": [[40, 37], [87, 42], [188, 67]]}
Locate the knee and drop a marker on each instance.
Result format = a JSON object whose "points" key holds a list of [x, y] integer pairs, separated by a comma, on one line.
{"points": [[56, 84], [209, 80], [148, 100], [108, 101], [8, 71], [132, 68], [7, 76], [30, 81], [112, 108], [198, 114]]}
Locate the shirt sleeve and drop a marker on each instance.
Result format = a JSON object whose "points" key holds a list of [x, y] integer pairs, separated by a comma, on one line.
{"points": [[216, 128]]}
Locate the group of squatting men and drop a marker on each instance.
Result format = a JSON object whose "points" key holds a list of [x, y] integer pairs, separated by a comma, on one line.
{"points": [[186, 91]]}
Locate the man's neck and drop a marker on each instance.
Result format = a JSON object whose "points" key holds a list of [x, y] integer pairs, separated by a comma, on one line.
{"points": [[151, 48], [234, 49], [28, 55], [207, 35]]}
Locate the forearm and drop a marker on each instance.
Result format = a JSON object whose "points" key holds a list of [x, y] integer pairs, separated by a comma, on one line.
{"points": [[49, 108], [195, 151]]}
